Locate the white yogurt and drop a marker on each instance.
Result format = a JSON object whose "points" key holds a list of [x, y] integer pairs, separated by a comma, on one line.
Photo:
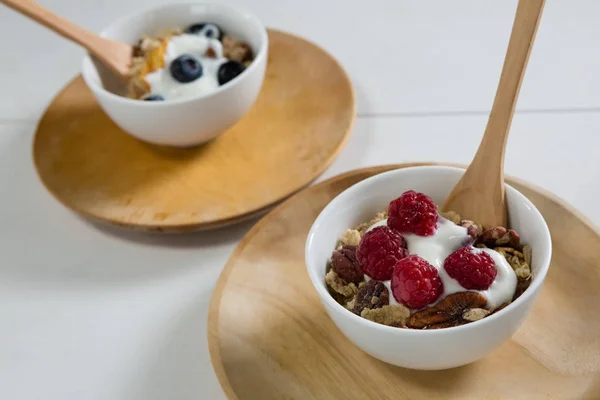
{"points": [[162, 83], [448, 238], [503, 288]]}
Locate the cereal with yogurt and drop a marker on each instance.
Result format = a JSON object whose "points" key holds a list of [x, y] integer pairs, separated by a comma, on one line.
{"points": [[413, 267], [184, 64]]}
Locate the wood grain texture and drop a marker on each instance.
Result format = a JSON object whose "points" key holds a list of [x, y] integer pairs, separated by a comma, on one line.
{"points": [[479, 195], [293, 132], [270, 338], [114, 55]]}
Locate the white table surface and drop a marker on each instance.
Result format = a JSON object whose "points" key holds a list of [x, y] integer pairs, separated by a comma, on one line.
{"points": [[98, 313]]}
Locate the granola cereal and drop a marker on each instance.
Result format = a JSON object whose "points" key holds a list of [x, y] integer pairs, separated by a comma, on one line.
{"points": [[392, 315], [339, 286], [457, 290], [350, 237]]}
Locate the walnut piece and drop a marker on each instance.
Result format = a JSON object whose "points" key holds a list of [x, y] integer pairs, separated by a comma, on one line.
{"points": [[236, 50], [448, 312], [372, 295], [340, 286], [500, 236], [350, 237], [345, 264], [391, 315]]}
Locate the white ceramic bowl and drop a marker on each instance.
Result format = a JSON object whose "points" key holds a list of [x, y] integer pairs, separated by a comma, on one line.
{"points": [[183, 122], [422, 349]]}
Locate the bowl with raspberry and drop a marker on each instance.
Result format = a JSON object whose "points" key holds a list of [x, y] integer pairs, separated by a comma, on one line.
{"points": [[419, 288]]}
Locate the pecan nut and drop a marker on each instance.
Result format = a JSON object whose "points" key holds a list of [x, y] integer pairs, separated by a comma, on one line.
{"points": [[345, 264], [500, 236], [372, 295], [448, 312], [473, 229]]}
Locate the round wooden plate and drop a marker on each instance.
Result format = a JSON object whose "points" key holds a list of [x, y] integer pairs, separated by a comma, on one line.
{"points": [[294, 131], [270, 338]]}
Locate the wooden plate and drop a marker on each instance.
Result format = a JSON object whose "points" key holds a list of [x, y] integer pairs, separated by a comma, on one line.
{"points": [[270, 338], [294, 131]]}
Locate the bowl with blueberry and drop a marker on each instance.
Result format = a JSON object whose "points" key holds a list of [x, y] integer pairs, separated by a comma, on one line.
{"points": [[197, 68]]}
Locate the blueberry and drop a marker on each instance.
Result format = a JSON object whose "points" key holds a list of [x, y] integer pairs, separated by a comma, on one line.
{"points": [[154, 97], [211, 31], [229, 70], [186, 68]]}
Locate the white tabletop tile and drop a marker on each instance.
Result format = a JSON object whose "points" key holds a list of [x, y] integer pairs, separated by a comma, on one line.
{"points": [[556, 151], [403, 56]]}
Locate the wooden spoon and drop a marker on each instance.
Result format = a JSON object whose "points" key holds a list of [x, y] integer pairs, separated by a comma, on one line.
{"points": [[479, 195], [114, 55]]}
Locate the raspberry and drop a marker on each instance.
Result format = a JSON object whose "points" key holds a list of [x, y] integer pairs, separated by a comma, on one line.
{"points": [[379, 250], [413, 212], [473, 269], [415, 282]]}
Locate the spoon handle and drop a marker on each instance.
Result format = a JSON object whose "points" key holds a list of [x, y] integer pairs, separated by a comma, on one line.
{"points": [[101, 48], [479, 195], [526, 22]]}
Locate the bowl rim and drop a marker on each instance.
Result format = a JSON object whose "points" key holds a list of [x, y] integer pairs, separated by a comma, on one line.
{"points": [[527, 296], [259, 57]]}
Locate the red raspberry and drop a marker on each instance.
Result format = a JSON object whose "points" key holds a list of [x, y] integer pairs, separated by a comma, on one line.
{"points": [[415, 282], [473, 269], [379, 250], [413, 212]]}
